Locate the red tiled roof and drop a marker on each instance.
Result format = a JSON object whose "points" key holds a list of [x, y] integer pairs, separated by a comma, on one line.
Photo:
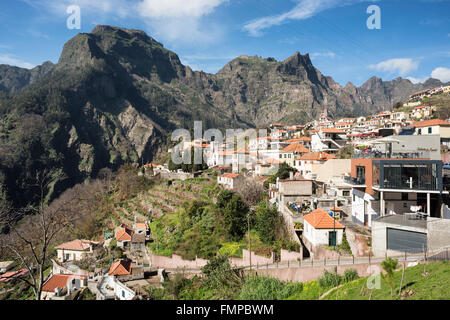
{"points": [[299, 139], [317, 156], [120, 268], [141, 226], [124, 234], [12, 275], [77, 245], [319, 219], [332, 131], [295, 147], [230, 175], [57, 281], [430, 123]]}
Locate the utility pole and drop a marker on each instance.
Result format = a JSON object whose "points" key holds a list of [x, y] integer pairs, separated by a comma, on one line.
{"points": [[334, 222], [249, 241]]}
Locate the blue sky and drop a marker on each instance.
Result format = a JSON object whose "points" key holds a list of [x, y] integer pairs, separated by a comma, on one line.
{"points": [[413, 42]]}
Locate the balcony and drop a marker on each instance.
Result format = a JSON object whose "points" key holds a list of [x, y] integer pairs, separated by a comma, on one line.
{"points": [[360, 181], [418, 175], [393, 155]]}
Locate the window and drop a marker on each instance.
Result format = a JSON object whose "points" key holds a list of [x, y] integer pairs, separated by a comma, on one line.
{"points": [[123, 294], [404, 196], [430, 130], [346, 193], [361, 174], [420, 131]]}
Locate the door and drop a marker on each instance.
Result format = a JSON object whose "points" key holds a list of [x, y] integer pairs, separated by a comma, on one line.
{"points": [[406, 241], [332, 238]]}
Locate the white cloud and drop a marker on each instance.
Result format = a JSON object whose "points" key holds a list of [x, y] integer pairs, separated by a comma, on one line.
{"points": [[417, 80], [177, 8], [402, 66], [12, 61], [169, 20], [442, 74], [303, 10], [181, 20], [328, 54]]}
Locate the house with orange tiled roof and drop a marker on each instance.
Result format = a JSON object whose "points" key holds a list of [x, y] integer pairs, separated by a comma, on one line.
{"points": [[126, 270], [421, 112], [75, 250], [230, 181], [306, 141], [289, 153], [328, 140], [321, 229], [60, 285], [433, 127], [305, 163], [123, 237]]}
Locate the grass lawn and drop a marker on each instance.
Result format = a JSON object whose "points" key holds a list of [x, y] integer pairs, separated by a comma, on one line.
{"points": [[434, 286]]}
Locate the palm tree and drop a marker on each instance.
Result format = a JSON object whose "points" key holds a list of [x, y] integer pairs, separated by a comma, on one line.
{"points": [[389, 265]]}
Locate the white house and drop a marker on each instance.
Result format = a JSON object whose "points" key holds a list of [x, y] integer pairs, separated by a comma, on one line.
{"points": [[328, 140], [229, 180], [322, 229], [75, 250], [60, 285]]}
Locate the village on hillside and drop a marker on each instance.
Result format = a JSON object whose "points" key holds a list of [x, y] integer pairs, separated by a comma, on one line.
{"points": [[351, 192]]}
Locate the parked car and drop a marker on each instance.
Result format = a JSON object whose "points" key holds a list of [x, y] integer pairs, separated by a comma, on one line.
{"points": [[447, 165]]}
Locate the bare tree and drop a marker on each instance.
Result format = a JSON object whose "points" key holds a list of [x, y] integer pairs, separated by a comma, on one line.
{"points": [[30, 239], [250, 190]]}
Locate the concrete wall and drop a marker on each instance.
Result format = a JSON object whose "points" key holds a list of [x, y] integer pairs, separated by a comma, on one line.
{"points": [[289, 221], [291, 255], [176, 262], [331, 169], [296, 187], [373, 207], [313, 273], [175, 175], [438, 234], [245, 261], [358, 243], [379, 237]]}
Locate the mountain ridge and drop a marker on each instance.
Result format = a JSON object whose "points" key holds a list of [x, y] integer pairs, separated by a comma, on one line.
{"points": [[116, 94]]}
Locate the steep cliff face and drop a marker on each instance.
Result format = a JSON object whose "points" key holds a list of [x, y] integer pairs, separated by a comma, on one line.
{"points": [[116, 94], [13, 79]]}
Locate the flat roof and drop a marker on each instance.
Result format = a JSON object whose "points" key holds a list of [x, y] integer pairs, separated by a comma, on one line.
{"points": [[407, 220]]}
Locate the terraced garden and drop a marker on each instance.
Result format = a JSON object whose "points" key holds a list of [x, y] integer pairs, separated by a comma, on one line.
{"points": [[163, 199]]}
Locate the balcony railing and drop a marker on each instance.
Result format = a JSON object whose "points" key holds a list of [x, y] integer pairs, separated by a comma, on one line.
{"points": [[355, 181], [415, 184], [393, 155]]}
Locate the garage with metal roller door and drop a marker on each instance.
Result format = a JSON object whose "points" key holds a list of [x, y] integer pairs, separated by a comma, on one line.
{"points": [[403, 240]]}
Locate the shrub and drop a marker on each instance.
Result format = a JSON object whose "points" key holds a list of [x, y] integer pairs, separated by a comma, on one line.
{"points": [[350, 275], [329, 279], [265, 288]]}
